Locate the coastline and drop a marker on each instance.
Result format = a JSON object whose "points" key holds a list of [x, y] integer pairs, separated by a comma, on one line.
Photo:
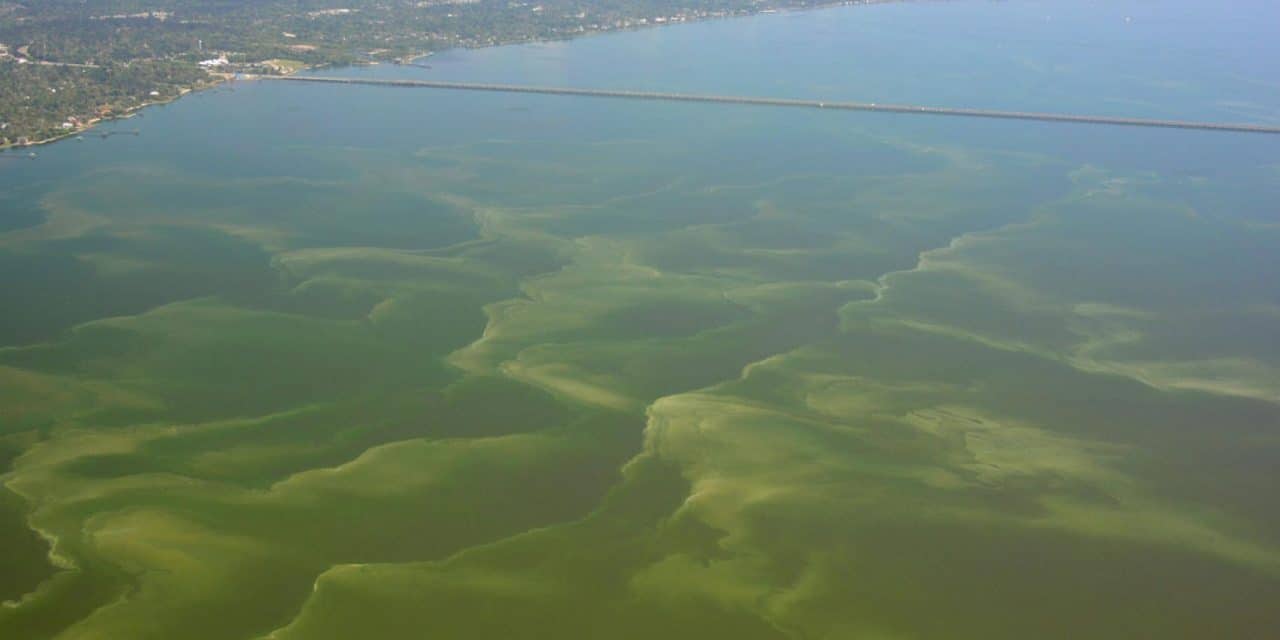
{"points": [[217, 79], [763, 10], [90, 123]]}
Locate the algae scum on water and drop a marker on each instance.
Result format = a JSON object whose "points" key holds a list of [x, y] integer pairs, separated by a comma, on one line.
{"points": [[329, 362]]}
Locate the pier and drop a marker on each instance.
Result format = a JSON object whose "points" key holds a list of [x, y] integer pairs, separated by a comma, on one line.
{"points": [[785, 102], [126, 132]]}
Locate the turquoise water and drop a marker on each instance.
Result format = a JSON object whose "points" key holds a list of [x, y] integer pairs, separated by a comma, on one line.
{"points": [[347, 361]]}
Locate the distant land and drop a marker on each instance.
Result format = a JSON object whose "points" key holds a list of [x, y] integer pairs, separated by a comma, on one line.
{"points": [[67, 64]]}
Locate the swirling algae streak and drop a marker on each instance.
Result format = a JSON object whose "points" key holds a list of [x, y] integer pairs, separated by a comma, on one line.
{"points": [[786, 102]]}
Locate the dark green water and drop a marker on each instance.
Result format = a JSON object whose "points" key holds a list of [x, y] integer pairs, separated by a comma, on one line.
{"points": [[355, 362]]}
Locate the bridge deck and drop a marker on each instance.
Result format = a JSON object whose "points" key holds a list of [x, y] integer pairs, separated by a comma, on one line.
{"points": [[784, 102]]}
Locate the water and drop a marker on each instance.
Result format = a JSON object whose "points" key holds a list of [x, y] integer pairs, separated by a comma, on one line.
{"points": [[334, 361]]}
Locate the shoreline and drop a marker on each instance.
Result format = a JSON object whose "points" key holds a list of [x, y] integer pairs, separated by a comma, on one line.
{"points": [[124, 115], [218, 79], [817, 6]]}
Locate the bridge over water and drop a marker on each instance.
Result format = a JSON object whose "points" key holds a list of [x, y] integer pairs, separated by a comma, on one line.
{"points": [[785, 102]]}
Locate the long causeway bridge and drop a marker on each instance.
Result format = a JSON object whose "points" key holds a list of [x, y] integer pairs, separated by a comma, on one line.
{"points": [[784, 102]]}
